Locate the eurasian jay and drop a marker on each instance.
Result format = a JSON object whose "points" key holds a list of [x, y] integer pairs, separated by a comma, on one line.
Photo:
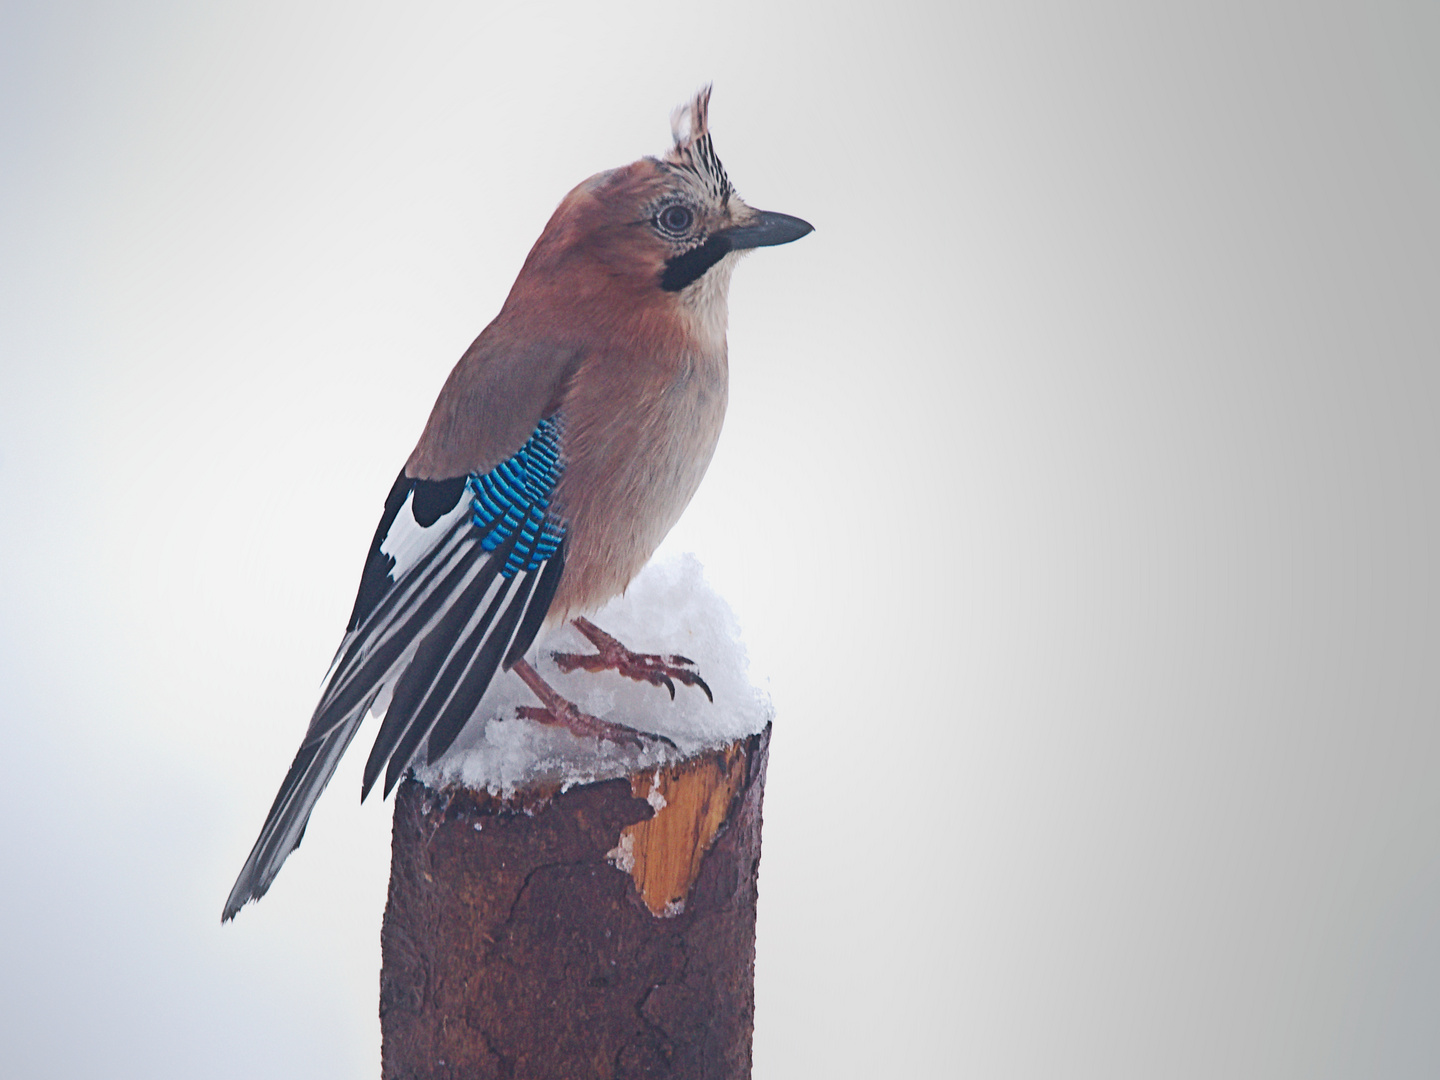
{"points": [[561, 450]]}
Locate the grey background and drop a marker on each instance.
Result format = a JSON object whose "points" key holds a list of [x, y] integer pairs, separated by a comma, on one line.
{"points": [[1078, 495]]}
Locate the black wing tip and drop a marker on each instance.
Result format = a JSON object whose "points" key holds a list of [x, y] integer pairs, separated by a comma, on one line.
{"points": [[391, 781]]}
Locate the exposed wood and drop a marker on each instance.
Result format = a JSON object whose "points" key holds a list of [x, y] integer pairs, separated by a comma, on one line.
{"points": [[664, 853], [517, 945]]}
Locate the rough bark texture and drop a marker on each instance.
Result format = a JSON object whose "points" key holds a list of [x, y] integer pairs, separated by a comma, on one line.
{"points": [[513, 946]]}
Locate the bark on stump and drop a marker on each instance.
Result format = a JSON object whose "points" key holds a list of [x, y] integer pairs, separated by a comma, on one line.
{"points": [[607, 931]]}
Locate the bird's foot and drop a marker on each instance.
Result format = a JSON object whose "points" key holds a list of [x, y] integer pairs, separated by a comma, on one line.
{"points": [[560, 712], [653, 668]]}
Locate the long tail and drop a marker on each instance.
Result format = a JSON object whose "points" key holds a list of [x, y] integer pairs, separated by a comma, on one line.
{"points": [[437, 641], [311, 770]]}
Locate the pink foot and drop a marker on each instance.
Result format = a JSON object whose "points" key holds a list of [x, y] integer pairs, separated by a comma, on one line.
{"points": [[653, 668], [557, 711]]}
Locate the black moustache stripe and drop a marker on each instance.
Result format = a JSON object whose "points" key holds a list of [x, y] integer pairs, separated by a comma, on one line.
{"points": [[684, 269]]}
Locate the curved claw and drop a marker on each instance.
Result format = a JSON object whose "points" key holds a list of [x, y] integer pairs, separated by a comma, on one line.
{"points": [[611, 655], [703, 686]]}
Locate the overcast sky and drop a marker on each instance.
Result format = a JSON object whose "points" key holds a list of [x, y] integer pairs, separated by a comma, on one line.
{"points": [[1078, 495]]}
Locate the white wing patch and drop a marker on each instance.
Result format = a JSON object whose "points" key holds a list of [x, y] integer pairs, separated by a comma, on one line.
{"points": [[408, 543]]}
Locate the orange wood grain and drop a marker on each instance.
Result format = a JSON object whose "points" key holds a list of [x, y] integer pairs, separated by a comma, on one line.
{"points": [[664, 853]]}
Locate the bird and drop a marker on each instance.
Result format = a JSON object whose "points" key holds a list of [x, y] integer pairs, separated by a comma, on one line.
{"points": [[562, 448]]}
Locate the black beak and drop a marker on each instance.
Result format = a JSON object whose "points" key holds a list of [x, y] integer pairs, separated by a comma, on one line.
{"points": [[767, 230]]}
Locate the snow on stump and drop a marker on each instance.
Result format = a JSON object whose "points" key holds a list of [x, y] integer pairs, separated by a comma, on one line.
{"points": [[565, 908]]}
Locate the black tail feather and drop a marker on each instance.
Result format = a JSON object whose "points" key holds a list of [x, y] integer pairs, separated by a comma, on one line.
{"points": [[466, 698], [449, 675], [420, 677], [539, 607]]}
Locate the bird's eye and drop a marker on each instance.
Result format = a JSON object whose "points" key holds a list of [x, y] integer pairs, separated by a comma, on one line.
{"points": [[675, 219]]}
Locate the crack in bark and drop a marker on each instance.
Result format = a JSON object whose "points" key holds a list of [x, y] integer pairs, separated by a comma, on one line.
{"points": [[525, 884], [507, 968], [504, 1064]]}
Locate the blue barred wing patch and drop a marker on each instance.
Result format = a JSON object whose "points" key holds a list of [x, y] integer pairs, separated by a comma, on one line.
{"points": [[513, 500]]}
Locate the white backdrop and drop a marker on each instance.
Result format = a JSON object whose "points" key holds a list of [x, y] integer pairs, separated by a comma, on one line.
{"points": [[1078, 493]]}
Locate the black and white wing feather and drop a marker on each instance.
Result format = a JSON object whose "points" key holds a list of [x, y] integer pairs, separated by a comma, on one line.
{"points": [[458, 581]]}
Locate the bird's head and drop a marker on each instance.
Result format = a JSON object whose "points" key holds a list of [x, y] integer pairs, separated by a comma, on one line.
{"points": [[659, 231]]}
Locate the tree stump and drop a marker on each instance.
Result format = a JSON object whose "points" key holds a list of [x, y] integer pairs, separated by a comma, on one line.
{"points": [[603, 931]]}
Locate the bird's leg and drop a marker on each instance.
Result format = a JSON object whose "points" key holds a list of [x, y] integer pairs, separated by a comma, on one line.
{"points": [[653, 668], [562, 713]]}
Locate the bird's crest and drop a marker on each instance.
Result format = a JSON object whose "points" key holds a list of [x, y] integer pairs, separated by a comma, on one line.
{"points": [[694, 152]]}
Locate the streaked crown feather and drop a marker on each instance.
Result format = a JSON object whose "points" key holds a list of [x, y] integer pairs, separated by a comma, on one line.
{"points": [[694, 152]]}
